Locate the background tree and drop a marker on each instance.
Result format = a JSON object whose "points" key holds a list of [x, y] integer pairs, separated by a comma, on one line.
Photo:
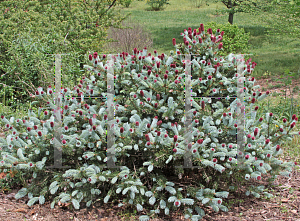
{"points": [[234, 6], [280, 13]]}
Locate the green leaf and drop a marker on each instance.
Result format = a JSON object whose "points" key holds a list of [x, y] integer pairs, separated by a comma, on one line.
{"points": [[53, 190], [146, 163], [144, 218], [215, 208], [32, 201], [41, 199], [162, 204], [167, 211], [52, 204], [21, 193], [20, 154], [75, 203], [88, 203], [150, 168], [139, 207], [205, 200], [106, 198], [200, 211], [170, 190], [114, 180], [152, 200]]}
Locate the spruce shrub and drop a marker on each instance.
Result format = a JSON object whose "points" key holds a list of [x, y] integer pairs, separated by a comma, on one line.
{"points": [[150, 136]]}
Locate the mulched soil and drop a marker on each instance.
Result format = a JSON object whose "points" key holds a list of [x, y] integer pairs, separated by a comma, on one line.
{"points": [[284, 206]]}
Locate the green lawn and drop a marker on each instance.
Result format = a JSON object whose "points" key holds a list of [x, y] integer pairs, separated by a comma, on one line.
{"points": [[274, 54]]}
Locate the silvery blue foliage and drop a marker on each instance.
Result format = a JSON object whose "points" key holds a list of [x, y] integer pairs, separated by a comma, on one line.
{"points": [[151, 138]]}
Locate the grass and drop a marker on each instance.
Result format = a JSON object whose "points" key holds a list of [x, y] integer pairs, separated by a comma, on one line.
{"points": [[271, 53], [278, 106], [276, 86]]}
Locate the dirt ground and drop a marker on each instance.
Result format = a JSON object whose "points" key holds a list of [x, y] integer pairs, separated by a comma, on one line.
{"points": [[284, 206], [272, 85]]}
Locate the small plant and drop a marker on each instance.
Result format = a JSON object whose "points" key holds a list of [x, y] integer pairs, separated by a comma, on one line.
{"points": [[267, 74], [234, 39], [157, 5], [296, 89], [199, 3], [126, 3], [276, 86]]}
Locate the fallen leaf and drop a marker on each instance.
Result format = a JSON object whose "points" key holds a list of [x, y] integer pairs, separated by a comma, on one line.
{"points": [[10, 196], [21, 210], [2, 175], [32, 212], [284, 200], [294, 211]]}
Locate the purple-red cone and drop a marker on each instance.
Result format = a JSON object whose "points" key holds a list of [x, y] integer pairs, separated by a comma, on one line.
{"points": [[95, 55], [174, 41], [201, 27], [220, 46], [202, 105], [147, 137]]}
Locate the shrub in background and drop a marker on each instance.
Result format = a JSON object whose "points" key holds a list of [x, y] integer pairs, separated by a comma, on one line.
{"points": [[30, 68], [150, 136], [157, 5], [199, 3], [132, 35], [79, 28], [126, 3], [234, 39]]}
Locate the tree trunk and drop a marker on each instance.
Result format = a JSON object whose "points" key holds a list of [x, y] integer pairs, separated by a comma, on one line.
{"points": [[229, 6], [230, 18]]}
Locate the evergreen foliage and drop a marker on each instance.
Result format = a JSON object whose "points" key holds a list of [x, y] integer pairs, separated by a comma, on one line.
{"points": [[149, 127]]}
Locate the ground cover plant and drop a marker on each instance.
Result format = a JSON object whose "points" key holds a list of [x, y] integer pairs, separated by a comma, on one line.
{"points": [[149, 92]]}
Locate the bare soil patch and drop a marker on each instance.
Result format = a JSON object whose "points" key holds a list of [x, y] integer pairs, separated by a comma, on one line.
{"points": [[271, 84]]}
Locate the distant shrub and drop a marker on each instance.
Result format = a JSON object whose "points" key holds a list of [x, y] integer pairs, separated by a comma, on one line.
{"points": [[157, 5], [126, 3], [133, 35], [235, 40]]}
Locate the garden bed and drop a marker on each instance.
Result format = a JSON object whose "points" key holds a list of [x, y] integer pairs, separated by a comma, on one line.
{"points": [[284, 206]]}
